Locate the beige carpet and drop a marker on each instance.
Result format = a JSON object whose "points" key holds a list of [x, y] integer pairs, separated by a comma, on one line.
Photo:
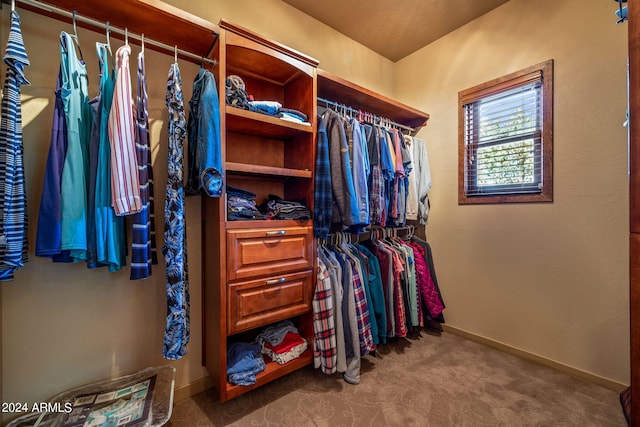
{"points": [[427, 381]]}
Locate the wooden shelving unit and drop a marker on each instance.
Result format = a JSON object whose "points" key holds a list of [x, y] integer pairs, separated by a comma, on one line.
{"points": [[260, 272]]}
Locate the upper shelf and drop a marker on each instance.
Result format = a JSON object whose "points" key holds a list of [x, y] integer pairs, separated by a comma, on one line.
{"points": [[252, 123], [337, 89], [153, 18]]}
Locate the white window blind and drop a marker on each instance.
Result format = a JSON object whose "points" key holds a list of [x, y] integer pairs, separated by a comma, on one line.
{"points": [[503, 140]]}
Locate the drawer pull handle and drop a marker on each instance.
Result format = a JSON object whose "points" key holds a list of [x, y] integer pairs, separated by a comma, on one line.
{"points": [[276, 233], [276, 281]]}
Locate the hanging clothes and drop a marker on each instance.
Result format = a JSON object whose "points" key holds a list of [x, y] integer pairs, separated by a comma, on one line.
{"points": [[428, 283], [49, 232], [143, 246], [110, 229], [419, 180], [125, 184], [360, 168], [322, 183], [94, 148], [324, 337], [175, 236], [13, 224], [377, 203], [345, 206], [205, 172], [337, 296], [78, 116], [378, 289]]}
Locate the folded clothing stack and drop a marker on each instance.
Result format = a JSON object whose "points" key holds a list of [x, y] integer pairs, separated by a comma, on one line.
{"points": [[241, 205], [237, 96], [282, 342], [292, 115], [274, 108], [278, 208], [244, 361]]}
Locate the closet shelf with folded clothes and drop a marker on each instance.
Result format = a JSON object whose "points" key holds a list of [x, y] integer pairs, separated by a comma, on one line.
{"points": [[271, 372], [252, 123]]}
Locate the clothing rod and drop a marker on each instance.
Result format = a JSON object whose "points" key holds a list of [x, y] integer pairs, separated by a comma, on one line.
{"points": [[355, 110], [112, 29], [368, 232]]}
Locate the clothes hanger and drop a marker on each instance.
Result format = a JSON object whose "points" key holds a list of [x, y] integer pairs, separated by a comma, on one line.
{"points": [[142, 44], [175, 54], [13, 5], [74, 36], [621, 13], [108, 32]]}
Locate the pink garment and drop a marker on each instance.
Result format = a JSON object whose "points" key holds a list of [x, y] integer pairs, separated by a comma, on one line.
{"points": [[401, 320], [427, 288], [125, 184]]}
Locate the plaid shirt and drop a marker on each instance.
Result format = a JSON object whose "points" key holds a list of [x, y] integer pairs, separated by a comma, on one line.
{"points": [[377, 211], [322, 196], [324, 330], [401, 322], [362, 310]]}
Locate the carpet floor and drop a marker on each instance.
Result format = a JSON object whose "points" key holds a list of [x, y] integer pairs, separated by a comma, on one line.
{"points": [[428, 380]]}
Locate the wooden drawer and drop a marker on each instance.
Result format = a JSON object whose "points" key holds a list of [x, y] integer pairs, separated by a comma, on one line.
{"points": [[268, 251], [259, 302]]}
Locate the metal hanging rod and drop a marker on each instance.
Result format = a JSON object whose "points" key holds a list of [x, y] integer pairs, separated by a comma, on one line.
{"points": [[370, 232], [123, 32], [355, 111]]}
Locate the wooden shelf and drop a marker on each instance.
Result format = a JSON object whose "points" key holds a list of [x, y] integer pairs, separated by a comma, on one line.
{"points": [[276, 50], [272, 371], [153, 18], [334, 88], [272, 223], [245, 121], [268, 171]]}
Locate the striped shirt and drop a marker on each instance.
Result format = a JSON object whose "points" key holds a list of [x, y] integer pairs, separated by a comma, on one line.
{"points": [[143, 246], [125, 184], [13, 227]]}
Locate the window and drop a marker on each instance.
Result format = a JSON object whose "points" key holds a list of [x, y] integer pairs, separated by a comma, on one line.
{"points": [[505, 147]]}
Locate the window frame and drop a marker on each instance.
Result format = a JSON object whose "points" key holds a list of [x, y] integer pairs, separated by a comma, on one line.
{"points": [[542, 72]]}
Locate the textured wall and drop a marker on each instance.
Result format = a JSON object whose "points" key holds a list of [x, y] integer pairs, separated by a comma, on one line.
{"points": [[550, 279]]}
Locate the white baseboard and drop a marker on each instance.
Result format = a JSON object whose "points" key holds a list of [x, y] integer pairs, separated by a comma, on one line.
{"points": [[587, 376]]}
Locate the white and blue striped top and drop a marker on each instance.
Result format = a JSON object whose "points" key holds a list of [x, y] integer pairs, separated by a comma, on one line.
{"points": [[13, 199]]}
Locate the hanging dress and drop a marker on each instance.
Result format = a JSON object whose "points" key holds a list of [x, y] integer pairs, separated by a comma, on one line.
{"points": [[109, 228], [13, 225], [143, 246], [49, 233], [175, 236], [78, 118]]}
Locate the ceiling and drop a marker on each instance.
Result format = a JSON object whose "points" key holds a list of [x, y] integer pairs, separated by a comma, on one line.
{"points": [[395, 29]]}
